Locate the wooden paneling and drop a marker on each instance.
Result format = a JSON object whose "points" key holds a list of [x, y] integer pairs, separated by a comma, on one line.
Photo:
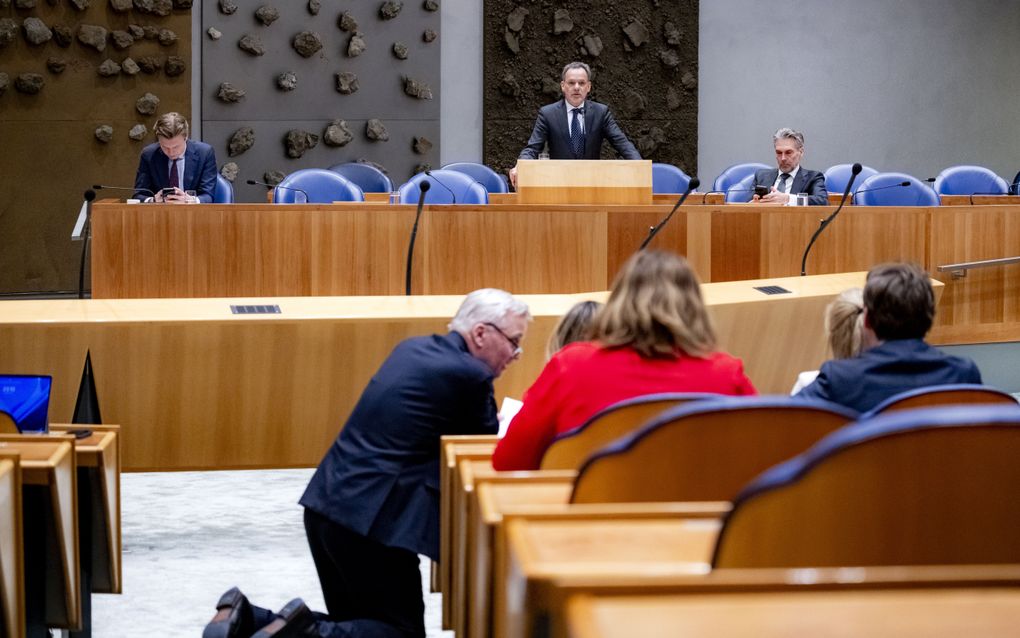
{"points": [[584, 181], [12, 574]]}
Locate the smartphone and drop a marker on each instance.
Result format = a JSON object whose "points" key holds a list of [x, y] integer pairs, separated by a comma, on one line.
{"points": [[761, 191], [168, 191]]}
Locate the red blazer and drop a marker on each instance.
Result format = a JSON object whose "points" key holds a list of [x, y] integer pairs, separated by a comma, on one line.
{"points": [[583, 378]]}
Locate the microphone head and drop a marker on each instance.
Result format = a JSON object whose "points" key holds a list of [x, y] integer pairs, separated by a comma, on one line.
{"points": [[904, 183], [90, 195], [252, 182], [856, 168], [424, 184], [694, 183], [98, 187]]}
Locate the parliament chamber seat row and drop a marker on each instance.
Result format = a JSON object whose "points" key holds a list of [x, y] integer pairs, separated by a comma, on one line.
{"points": [[60, 530], [904, 488]]}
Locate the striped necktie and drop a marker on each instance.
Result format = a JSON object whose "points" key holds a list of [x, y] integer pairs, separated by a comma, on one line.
{"points": [[175, 178], [577, 133]]}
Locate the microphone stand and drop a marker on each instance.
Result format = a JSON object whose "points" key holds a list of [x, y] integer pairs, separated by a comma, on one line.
{"points": [[86, 236], [438, 181], [828, 220], [423, 187], [654, 230]]}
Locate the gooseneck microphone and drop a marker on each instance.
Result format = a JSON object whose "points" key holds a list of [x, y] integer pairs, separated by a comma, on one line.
{"points": [[853, 198], [654, 230], [438, 181], [423, 187], [854, 172], [100, 187], [86, 235], [252, 182]]}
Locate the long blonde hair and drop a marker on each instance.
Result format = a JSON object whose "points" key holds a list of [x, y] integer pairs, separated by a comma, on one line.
{"points": [[573, 326], [656, 308], [844, 321]]}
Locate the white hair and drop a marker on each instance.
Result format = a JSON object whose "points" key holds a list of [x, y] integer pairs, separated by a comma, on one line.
{"points": [[789, 134], [487, 305]]}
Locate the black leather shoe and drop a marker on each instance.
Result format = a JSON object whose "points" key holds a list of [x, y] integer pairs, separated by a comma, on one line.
{"points": [[233, 617], [295, 620]]}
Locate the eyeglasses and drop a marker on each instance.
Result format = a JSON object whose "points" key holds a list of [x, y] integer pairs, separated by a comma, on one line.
{"points": [[515, 342]]}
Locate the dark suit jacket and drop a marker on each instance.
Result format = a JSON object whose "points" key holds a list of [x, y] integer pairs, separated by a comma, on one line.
{"points": [[199, 171], [810, 182], [599, 124], [878, 373], [380, 478]]}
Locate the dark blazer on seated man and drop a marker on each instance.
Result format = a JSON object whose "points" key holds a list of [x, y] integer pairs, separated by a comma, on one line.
{"points": [[199, 171], [552, 128], [804, 181]]}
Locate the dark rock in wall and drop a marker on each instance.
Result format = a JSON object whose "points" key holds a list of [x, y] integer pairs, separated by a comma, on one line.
{"points": [[104, 133], [672, 34], [591, 45], [400, 50], [29, 83], [8, 31], [314, 6], [229, 171], [417, 89], [287, 81], [151, 32], [357, 45], [240, 141], [160, 8], [93, 36], [167, 37], [346, 22], [5, 81], [515, 19], [429, 35], [421, 168], [307, 43], [390, 9], [267, 14], [513, 41], [108, 68], [229, 93], [376, 131], [121, 39], [251, 44], [138, 132], [509, 86], [669, 58], [62, 35], [298, 142], [174, 66], [273, 177], [121, 6], [147, 104], [689, 80], [637, 33], [136, 31], [80, 5], [182, 4], [346, 82], [672, 99], [56, 65], [337, 134], [24, 4], [562, 23], [648, 143], [634, 103], [421, 145], [214, 33], [36, 31], [551, 88], [228, 7], [430, 5], [150, 64], [129, 67]]}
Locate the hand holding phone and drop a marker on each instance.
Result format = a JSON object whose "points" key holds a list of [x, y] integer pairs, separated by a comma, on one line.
{"points": [[762, 191]]}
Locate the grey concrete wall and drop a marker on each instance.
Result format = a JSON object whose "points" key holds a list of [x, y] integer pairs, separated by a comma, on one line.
{"points": [[906, 85], [461, 119]]}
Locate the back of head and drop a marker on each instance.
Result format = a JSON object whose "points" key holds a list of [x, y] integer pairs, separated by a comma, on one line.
{"points": [[574, 326], [899, 301], [486, 305], [656, 308], [170, 125], [844, 319]]}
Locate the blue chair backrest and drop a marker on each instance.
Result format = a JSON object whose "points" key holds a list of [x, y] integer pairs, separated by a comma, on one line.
{"points": [[952, 394], [969, 180], [446, 187], [490, 179], [224, 193], [917, 193], [368, 178], [734, 174], [837, 176], [1014, 187], [667, 178], [322, 187], [741, 191]]}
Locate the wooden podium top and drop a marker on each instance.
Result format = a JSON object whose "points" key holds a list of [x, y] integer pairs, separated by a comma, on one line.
{"points": [[584, 181]]}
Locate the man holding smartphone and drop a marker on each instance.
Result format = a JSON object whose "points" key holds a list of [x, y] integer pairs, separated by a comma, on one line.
{"points": [[176, 170], [780, 186]]}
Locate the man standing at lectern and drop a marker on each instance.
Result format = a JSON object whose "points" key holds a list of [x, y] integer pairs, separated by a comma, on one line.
{"points": [[575, 127], [176, 162]]}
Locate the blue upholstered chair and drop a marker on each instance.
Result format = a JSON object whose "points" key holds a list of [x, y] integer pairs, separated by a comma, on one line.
{"points": [[1014, 186], [446, 187], [322, 187], [667, 178], [705, 450], [955, 394], [734, 174], [934, 486], [224, 193], [368, 178], [837, 176], [969, 180], [742, 191], [490, 179], [571, 448], [916, 193]]}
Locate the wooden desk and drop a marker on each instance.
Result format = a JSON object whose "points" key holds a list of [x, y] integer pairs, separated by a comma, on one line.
{"points": [[50, 505], [924, 613], [12, 570]]}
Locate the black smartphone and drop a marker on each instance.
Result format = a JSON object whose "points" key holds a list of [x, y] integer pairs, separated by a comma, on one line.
{"points": [[168, 191], [761, 191]]}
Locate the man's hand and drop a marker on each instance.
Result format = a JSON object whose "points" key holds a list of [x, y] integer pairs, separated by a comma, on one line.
{"points": [[513, 177], [177, 197], [775, 198]]}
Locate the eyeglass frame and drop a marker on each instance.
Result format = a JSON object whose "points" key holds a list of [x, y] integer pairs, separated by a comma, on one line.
{"points": [[516, 343]]}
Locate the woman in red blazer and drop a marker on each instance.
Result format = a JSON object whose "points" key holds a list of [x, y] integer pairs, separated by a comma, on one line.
{"points": [[654, 335]]}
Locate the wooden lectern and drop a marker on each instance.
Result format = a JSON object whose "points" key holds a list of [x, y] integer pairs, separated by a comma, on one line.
{"points": [[584, 181]]}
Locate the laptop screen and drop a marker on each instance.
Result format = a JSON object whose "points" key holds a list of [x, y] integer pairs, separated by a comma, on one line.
{"points": [[26, 398]]}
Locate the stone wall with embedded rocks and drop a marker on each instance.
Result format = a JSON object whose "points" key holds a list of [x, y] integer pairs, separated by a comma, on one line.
{"points": [[291, 85], [73, 79], [644, 59]]}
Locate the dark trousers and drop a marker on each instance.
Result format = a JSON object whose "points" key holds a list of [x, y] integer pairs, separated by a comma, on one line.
{"points": [[363, 580]]}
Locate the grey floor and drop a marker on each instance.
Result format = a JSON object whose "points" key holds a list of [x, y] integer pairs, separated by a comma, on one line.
{"points": [[189, 536]]}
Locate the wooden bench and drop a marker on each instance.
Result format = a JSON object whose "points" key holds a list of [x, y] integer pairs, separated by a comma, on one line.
{"points": [[12, 583]]}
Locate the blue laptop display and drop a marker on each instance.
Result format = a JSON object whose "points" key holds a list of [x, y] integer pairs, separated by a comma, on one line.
{"points": [[26, 398]]}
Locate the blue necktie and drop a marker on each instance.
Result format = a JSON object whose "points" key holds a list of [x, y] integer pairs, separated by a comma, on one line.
{"points": [[576, 134]]}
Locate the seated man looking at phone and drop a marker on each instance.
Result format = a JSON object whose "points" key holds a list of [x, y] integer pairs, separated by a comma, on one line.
{"points": [[780, 186], [176, 170]]}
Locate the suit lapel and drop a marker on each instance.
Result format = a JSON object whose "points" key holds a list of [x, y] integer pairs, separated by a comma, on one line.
{"points": [[589, 127], [162, 164], [798, 182], [564, 128], [190, 166]]}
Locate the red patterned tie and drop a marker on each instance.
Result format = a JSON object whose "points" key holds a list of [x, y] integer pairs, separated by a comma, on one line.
{"points": [[175, 178]]}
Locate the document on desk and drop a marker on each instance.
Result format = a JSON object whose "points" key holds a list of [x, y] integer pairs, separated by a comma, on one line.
{"points": [[507, 412]]}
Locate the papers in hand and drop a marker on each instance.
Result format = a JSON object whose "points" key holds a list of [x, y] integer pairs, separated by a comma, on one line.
{"points": [[507, 412]]}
